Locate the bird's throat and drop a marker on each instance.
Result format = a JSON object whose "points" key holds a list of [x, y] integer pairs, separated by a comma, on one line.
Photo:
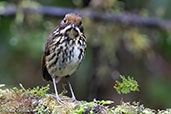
{"points": [[73, 34]]}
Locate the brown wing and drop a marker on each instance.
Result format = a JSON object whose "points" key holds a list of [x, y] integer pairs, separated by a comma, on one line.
{"points": [[45, 72]]}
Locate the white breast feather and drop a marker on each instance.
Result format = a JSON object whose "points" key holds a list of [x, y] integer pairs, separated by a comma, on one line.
{"points": [[72, 65]]}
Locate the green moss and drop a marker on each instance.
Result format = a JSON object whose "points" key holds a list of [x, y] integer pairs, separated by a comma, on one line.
{"points": [[36, 92], [167, 111], [134, 108], [83, 107], [14, 99], [127, 85], [37, 101], [42, 109]]}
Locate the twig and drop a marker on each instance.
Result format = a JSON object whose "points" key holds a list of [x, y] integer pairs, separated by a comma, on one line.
{"points": [[117, 18]]}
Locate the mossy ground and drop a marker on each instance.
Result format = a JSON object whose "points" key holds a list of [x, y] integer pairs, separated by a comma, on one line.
{"points": [[37, 101]]}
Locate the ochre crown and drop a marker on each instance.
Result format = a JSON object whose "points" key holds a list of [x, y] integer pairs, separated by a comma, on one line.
{"points": [[73, 18]]}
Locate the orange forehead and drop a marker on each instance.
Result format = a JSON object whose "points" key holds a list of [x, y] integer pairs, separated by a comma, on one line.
{"points": [[73, 18]]}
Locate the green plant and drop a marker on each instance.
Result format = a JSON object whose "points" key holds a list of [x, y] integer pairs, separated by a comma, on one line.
{"points": [[36, 91], [126, 86], [91, 107], [103, 102]]}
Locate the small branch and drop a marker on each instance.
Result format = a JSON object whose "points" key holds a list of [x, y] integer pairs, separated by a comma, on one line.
{"points": [[117, 18]]}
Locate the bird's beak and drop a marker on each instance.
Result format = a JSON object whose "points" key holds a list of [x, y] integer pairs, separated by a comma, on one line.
{"points": [[72, 25]]}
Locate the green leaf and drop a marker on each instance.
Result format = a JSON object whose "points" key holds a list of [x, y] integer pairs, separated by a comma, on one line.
{"points": [[126, 86]]}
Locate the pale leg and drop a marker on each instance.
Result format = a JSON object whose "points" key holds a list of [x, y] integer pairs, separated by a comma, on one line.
{"points": [[72, 93], [56, 92]]}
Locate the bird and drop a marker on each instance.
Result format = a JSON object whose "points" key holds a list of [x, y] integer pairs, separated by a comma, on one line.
{"points": [[64, 51]]}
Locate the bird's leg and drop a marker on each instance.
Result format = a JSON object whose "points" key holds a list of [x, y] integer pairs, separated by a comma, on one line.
{"points": [[72, 93], [56, 92], [57, 80]]}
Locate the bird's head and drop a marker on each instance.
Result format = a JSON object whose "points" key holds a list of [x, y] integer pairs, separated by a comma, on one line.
{"points": [[71, 25]]}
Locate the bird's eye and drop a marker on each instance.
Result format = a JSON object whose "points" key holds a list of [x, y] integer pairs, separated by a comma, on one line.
{"points": [[65, 20], [80, 23], [81, 28]]}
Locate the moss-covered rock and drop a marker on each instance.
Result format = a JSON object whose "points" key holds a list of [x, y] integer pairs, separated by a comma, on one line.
{"points": [[37, 101]]}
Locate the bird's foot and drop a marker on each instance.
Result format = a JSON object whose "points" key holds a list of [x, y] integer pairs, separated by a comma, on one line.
{"points": [[57, 98], [73, 99], [60, 101]]}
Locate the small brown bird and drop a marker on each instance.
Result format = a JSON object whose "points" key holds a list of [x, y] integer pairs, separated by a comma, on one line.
{"points": [[64, 51]]}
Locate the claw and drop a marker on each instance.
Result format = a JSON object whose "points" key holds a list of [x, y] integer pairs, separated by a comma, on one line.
{"points": [[59, 100], [56, 92]]}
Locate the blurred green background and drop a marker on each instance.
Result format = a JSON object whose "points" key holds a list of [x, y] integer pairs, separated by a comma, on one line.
{"points": [[113, 49]]}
